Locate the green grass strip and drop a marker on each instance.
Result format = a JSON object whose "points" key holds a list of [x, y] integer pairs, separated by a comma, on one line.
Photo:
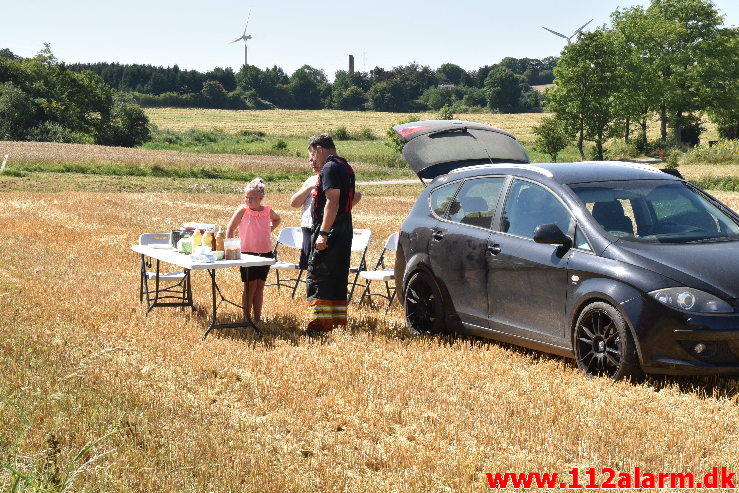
{"points": [[717, 183]]}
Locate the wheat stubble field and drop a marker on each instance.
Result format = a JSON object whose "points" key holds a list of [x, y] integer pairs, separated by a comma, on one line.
{"points": [[300, 123], [97, 396]]}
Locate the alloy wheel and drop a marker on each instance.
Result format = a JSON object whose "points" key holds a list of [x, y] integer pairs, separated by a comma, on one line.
{"points": [[603, 345], [423, 305]]}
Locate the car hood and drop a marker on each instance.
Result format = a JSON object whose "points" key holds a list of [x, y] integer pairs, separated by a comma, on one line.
{"points": [[436, 147], [711, 267]]}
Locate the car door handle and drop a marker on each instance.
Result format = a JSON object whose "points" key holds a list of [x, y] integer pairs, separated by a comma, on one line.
{"points": [[494, 249], [437, 235]]}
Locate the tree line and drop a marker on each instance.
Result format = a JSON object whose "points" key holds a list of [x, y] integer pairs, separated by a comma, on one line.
{"points": [[504, 87], [673, 60], [42, 100]]}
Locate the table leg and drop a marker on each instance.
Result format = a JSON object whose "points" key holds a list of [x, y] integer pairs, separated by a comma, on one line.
{"points": [[216, 292]]}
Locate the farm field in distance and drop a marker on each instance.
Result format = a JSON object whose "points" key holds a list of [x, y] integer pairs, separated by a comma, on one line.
{"points": [[98, 396], [304, 123]]}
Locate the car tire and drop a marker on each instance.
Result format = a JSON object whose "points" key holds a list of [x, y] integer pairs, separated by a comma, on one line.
{"points": [[603, 344], [424, 305]]}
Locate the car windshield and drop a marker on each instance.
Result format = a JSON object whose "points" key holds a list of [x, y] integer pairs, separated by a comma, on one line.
{"points": [[656, 211]]}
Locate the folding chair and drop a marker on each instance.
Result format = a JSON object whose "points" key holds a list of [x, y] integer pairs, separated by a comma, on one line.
{"points": [[170, 288], [381, 273], [360, 243], [289, 237]]}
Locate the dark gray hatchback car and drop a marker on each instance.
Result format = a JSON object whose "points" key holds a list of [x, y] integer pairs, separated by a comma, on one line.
{"points": [[621, 266]]}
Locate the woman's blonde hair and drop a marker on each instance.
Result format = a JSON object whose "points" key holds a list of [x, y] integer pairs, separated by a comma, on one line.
{"points": [[256, 185]]}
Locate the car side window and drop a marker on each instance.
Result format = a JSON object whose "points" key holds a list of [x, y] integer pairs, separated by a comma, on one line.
{"points": [[529, 205], [477, 200], [441, 197]]}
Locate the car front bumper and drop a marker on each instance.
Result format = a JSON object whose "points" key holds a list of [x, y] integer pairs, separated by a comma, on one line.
{"points": [[681, 343]]}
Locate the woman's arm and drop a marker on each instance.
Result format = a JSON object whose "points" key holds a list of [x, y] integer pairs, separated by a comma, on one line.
{"points": [[275, 218], [299, 197], [233, 223], [357, 197]]}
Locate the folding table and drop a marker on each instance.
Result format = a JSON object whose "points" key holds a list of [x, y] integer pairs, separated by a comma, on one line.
{"points": [[170, 255]]}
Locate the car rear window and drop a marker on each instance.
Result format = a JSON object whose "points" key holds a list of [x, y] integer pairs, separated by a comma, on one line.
{"points": [[442, 197], [476, 201]]}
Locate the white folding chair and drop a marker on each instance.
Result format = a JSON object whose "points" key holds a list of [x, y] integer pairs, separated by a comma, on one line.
{"points": [[360, 243], [381, 273], [289, 237], [170, 288]]}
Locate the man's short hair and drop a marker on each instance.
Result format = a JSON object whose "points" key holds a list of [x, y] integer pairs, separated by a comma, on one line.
{"points": [[323, 140]]}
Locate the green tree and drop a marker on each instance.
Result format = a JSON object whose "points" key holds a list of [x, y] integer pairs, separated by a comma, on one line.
{"points": [[588, 76], [307, 85], [551, 137], [478, 76], [352, 99], [213, 94], [343, 81], [6, 53], [437, 97], [688, 30], [445, 113], [271, 77], [450, 73], [16, 112], [720, 75], [283, 96], [43, 100], [503, 89], [249, 78], [640, 92], [127, 125], [389, 95], [474, 97], [414, 79], [225, 77]]}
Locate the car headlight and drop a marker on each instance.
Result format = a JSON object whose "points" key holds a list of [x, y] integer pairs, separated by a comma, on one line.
{"points": [[691, 300]]}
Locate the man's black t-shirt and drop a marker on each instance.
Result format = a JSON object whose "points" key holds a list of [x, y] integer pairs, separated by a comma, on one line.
{"points": [[337, 174]]}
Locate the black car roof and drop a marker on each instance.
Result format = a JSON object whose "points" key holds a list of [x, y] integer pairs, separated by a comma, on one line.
{"points": [[586, 171]]}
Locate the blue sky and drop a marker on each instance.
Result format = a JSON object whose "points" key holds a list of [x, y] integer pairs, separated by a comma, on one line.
{"points": [[290, 33]]}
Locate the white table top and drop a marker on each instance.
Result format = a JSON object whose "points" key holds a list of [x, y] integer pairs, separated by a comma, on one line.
{"points": [[170, 255]]}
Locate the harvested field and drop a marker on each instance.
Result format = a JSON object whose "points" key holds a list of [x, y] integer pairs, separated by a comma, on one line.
{"points": [[33, 152], [302, 123], [128, 163], [365, 409], [97, 396]]}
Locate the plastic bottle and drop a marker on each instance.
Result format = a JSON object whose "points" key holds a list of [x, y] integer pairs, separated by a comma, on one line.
{"points": [[197, 239], [208, 238], [220, 236]]}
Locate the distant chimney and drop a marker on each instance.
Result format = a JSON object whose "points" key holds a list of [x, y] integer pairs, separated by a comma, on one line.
{"points": [[351, 65]]}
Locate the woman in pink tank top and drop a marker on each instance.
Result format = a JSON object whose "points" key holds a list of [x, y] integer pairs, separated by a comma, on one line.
{"points": [[255, 222]]}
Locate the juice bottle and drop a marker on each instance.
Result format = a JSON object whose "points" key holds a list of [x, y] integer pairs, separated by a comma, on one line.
{"points": [[220, 236], [208, 238], [197, 240]]}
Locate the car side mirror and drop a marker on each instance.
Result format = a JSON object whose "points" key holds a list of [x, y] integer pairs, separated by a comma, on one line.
{"points": [[550, 234]]}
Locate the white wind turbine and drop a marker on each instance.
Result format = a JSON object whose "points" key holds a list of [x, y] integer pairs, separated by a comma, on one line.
{"points": [[569, 39], [244, 37]]}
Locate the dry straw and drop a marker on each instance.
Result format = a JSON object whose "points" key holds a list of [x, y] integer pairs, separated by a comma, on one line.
{"points": [[365, 409]]}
